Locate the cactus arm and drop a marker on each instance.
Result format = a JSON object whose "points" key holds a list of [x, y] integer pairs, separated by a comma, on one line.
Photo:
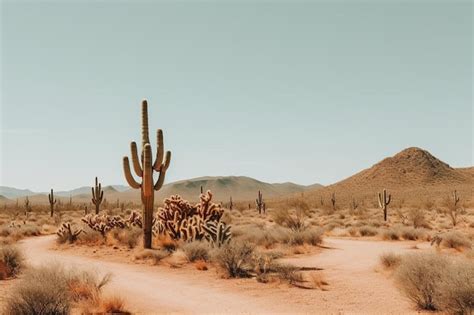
{"points": [[145, 136], [147, 171], [160, 181], [389, 199], [160, 151], [380, 200], [93, 194], [128, 175], [136, 162]]}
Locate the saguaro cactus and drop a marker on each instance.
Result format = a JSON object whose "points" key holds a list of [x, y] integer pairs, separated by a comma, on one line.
{"points": [[260, 203], [231, 204], [333, 201], [145, 171], [27, 206], [52, 202], [384, 202], [97, 195]]}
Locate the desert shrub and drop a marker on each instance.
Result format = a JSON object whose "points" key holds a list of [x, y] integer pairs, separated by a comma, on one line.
{"points": [[235, 258], [368, 231], [294, 221], [128, 237], [391, 234], [196, 251], [154, 255], [417, 217], [267, 238], [434, 282], [113, 305], [455, 240], [457, 288], [11, 261], [313, 236], [52, 290], [390, 260], [289, 274], [412, 234], [419, 276]]}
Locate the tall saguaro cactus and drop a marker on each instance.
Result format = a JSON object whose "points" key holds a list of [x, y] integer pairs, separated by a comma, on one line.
{"points": [[384, 202], [97, 195], [260, 203], [144, 168], [52, 201]]}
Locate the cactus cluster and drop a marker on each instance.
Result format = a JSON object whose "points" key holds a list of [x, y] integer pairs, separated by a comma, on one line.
{"points": [[67, 232], [261, 206], [144, 168], [103, 223], [180, 220], [217, 233]]}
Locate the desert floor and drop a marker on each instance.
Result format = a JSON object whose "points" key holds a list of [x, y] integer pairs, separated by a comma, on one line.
{"points": [[357, 283]]}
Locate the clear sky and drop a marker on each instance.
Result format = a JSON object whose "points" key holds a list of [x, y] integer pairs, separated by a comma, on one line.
{"points": [[281, 91]]}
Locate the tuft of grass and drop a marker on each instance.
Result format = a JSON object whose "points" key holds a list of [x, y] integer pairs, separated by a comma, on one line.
{"points": [[235, 258], [391, 234], [435, 282], [368, 231], [53, 290], [113, 305], [196, 251], [456, 240], [390, 260], [154, 255], [11, 261]]}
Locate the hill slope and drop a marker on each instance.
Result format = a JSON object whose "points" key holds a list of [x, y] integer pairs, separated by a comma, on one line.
{"points": [[411, 175]]}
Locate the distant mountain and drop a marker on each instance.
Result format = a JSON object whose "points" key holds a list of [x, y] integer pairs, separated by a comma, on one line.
{"points": [[12, 193], [411, 175]]}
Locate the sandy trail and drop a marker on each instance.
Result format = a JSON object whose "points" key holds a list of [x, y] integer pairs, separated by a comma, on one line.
{"points": [[355, 287]]}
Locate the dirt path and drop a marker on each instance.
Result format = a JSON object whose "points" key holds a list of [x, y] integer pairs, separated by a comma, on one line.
{"points": [[355, 287]]}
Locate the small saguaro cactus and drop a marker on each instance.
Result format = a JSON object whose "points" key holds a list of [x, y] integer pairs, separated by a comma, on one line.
{"points": [[144, 168], [333, 201], [354, 204], [27, 206], [260, 203], [70, 201], [97, 195], [231, 204], [52, 202], [455, 198], [384, 201]]}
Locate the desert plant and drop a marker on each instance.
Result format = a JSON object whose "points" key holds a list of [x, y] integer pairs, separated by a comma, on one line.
{"points": [[97, 195], [261, 206], [452, 208], [145, 171], [384, 202], [333, 201], [11, 261], [417, 217], [217, 233], [52, 202], [68, 234], [196, 250], [235, 259], [390, 260]]}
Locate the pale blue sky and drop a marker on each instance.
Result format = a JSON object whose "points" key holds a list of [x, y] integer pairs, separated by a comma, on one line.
{"points": [[281, 91]]}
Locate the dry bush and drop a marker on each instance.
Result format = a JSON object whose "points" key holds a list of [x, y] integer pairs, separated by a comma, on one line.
{"points": [[313, 236], [417, 218], [392, 234], [129, 237], [267, 238], [235, 258], [390, 260], [196, 251], [434, 282], [153, 255], [368, 231], [11, 261], [112, 305], [294, 220], [289, 274], [456, 240], [412, 234], [53, 290]]}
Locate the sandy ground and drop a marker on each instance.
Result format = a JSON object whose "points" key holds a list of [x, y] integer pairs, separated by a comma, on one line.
{"points": [[350, 267]]}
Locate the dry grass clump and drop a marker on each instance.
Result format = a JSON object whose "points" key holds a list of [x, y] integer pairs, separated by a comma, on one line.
{"points": [[311, 236], [318, 281], [368, 231], [155, 256], [260, 236], [235, 258], [53, 290], [392, 234], [294, 220], [196, 251], [112, 305], [129, 237], [390, 260], [11, 261], [456, 240], [413, 234], [434, 282]]}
